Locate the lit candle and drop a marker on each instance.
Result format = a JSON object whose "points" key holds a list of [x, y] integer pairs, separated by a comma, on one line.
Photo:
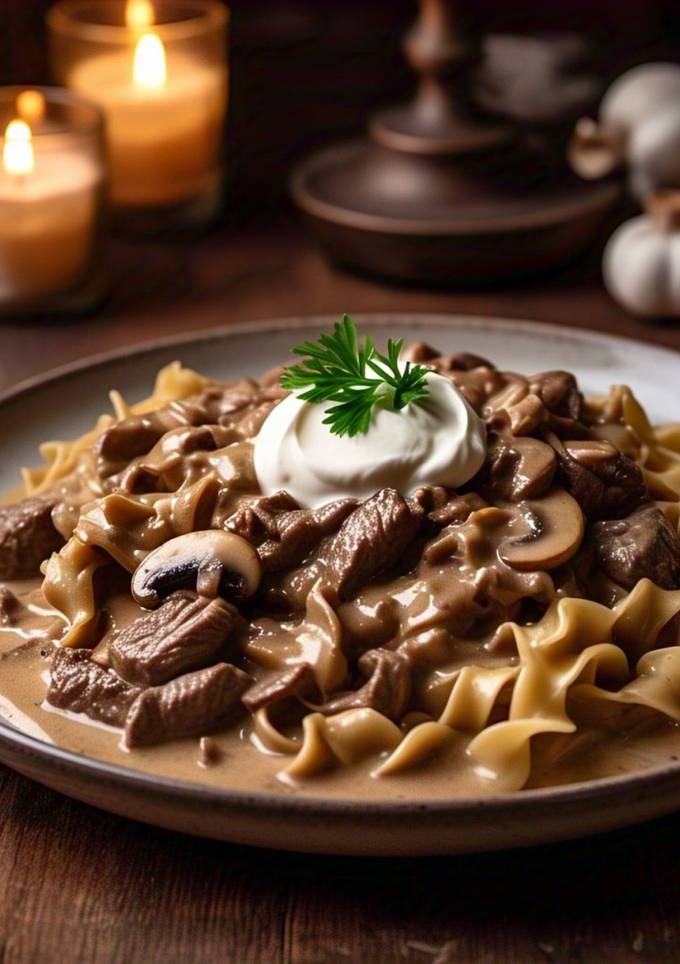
{"points": [[164, 105], [139, 14], [49, 189]]}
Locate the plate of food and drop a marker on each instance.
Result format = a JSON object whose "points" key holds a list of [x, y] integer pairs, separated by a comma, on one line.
{"points": [[390, 585]]}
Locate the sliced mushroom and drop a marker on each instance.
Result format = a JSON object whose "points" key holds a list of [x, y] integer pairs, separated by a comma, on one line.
{"points": [[215, 560], [520, 468], [590, 452], [553, 530]]}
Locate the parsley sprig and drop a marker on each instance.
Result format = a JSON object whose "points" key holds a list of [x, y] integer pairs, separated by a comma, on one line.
{"points": [[339, 368]]}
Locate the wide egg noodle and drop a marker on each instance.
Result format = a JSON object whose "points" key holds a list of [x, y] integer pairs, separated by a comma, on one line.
{"points": [[173, 383], [317, 641], [658, 449], [69, 587], [119, 527], [345, 738], [576, 642], [579, 650], [422, 742], [129, 527], [474, 695]]}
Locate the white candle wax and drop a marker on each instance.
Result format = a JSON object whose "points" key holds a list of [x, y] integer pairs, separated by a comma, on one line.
{"points": [[163, 142], [47, 221]]}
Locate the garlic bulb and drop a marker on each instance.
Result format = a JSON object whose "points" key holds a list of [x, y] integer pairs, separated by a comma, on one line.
{"points": [[638, 125], [641, 265], [638, 92]]}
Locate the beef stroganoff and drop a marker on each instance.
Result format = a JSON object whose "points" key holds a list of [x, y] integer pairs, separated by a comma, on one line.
{"points": [[375, 575]]}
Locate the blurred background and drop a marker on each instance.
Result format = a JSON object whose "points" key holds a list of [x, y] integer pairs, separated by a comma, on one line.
{"points": [[304, 74]]}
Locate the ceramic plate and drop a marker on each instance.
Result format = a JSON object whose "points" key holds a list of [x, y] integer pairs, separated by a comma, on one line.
{"points": [[65, 402]]}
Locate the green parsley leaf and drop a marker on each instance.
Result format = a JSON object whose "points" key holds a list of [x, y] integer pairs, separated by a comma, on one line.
{"points": [[339, 368]]}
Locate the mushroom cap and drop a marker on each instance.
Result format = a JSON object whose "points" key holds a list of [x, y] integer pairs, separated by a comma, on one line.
{"points": [[211, 558], [553, 529], [590, 451]]}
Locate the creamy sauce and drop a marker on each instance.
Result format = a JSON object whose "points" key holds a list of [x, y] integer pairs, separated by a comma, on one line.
{"points": [[642, 743], [445, 607]]}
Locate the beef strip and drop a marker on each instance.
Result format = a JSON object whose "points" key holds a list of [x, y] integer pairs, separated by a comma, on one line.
{"points": [[549, 400], [139, 478], [281, 685], [419, 352], [190, 705], [444, 507], [387, 688], [456, 510], [431, 498], [82, 686], [137, 434], [202, 438], [559, 393], [221, 401], [644, 544], [371, 541], [458, 361], [185, 633], [243, 406], [282, 532], [27, 537], [256, 520], [607, 488], [461, 361]]}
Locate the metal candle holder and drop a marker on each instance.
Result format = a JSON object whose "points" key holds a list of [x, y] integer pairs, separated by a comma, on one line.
{"points": [[437, 192]]}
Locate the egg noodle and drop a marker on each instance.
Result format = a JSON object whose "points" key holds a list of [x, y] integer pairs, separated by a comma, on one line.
{"points": [[174, 382], [567, 666]]}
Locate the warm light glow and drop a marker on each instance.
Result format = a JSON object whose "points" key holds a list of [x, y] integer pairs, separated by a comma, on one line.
{"points": [[17, 153], [31, 106], [139, 14], [149, 65]]}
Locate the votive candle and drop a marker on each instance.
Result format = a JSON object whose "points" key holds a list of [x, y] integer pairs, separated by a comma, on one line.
{"points": [[158, 72], [51, 180]]}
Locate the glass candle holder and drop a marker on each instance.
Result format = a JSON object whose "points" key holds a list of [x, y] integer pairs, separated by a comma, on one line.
{"points": [[158, 71], [52, 187]]}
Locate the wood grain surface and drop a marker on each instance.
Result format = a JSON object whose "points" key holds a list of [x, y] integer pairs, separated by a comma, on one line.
{"points": [[78, 885]]}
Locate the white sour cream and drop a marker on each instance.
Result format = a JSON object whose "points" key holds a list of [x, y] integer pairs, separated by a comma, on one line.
{"points": [[438, 441]]}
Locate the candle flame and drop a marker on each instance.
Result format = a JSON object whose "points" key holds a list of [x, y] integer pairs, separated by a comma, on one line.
{"points": [[31, 106], [149, 69], [17, 152], [139, 14]]}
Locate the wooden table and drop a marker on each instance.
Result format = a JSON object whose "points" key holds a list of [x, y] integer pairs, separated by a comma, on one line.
{"points": [[80, 885]]}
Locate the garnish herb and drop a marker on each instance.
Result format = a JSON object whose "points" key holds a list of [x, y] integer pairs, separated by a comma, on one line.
{"points": [[338, 368]]}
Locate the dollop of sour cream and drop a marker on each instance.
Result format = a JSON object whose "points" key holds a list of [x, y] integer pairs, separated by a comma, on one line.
{"points": [[439, 440]]}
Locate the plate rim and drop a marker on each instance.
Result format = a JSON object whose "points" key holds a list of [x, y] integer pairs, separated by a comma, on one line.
{"points": [[534, 798], [656, 778], [296, 322]]}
